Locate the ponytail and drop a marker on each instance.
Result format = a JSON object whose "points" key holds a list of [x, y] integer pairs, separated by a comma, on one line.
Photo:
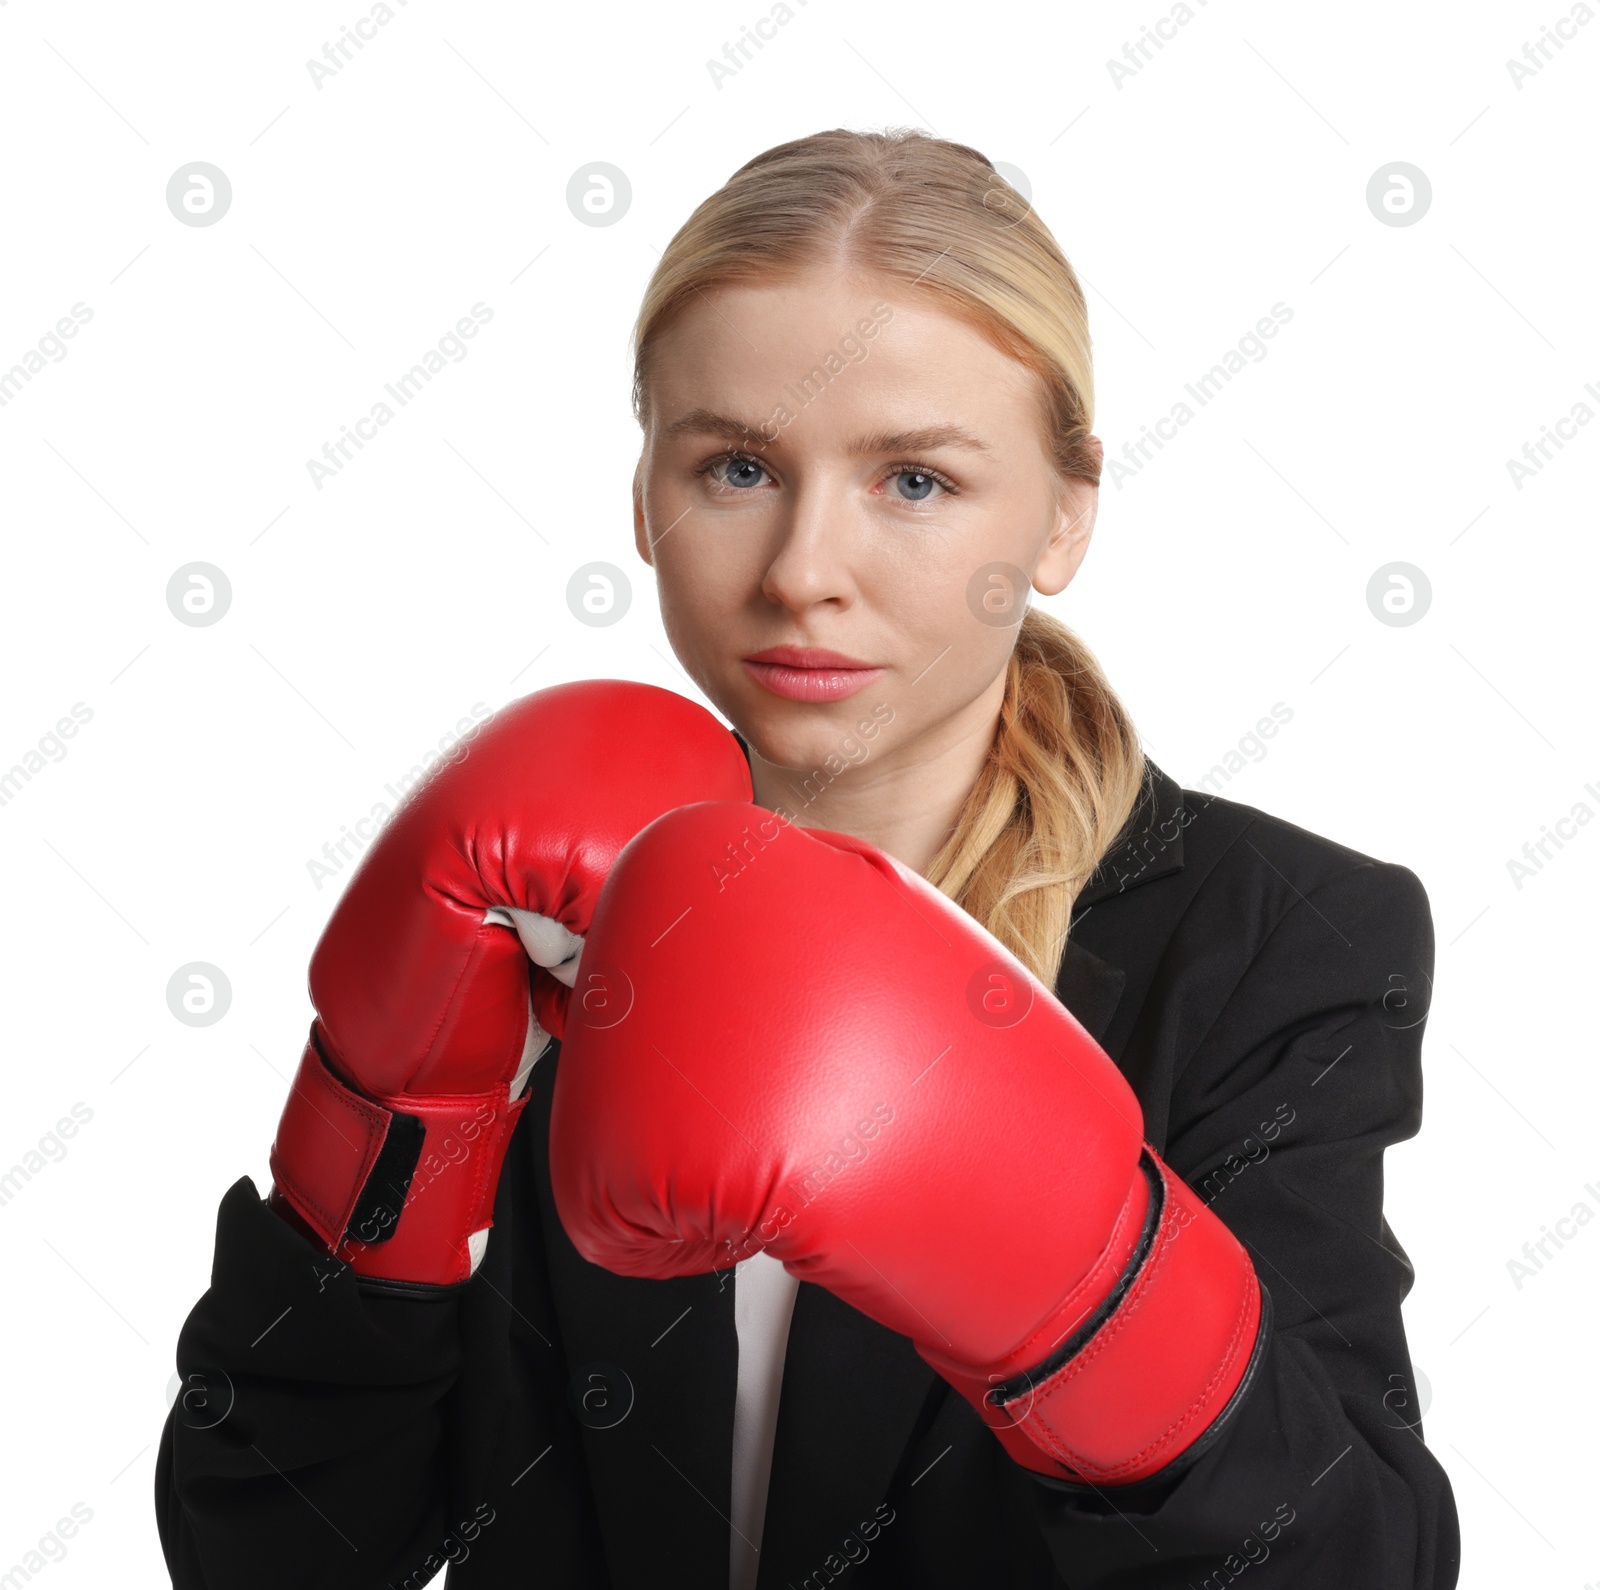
{"points": [[1063, 775]]}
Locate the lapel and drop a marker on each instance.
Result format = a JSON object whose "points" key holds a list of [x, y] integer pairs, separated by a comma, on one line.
{"points": [[852, 1391], [1150, 845], [854, 1395]]}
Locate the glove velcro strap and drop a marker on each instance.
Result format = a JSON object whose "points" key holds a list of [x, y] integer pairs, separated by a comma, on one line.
{"points": [[329, 1141], [395, 1186], [1152, 1372]]}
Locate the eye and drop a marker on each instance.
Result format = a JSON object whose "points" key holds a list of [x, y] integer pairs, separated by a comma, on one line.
{"points": [[732, 471], [917, 483]]}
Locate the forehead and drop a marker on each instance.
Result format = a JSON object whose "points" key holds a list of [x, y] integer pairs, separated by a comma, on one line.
{"points": [[862, 342]]}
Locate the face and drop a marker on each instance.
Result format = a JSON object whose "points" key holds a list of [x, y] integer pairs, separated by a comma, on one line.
{"points": [[830, 466]]}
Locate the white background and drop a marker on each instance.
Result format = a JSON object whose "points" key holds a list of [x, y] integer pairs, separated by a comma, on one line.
{"points": [[1227, 174]]}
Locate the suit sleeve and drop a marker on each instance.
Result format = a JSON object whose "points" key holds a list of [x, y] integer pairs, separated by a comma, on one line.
{"points": [[306, 1444], [1319, 1477]]}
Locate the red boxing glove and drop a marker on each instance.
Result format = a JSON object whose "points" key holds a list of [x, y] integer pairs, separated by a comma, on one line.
{"points": [[784, 1039], [390, 1146]]}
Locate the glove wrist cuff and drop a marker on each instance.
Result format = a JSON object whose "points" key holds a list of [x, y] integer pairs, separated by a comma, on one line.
{"points": [[393, 1186], [1151, 1371]]}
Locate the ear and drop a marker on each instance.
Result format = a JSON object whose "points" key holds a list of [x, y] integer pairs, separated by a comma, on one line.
{"points": [[1076, 508], [640, 539]]}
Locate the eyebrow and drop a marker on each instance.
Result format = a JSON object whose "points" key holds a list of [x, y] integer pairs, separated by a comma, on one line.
{"points": [[876, 443]]}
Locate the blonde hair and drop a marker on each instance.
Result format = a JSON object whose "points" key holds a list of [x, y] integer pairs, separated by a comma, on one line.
{"points": [[1065, 770]]}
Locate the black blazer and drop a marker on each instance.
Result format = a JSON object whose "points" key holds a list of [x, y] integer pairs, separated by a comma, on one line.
{"points": [[552, 1425]]}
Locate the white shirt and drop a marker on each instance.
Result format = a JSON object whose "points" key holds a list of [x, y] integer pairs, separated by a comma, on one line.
{"points": [[763, 1304]]}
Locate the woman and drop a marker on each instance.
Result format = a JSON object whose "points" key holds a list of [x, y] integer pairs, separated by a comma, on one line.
{"points": [[862, 371]]}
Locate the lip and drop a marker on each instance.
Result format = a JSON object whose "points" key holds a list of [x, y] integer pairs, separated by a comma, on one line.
{"points": [[809, 673]]}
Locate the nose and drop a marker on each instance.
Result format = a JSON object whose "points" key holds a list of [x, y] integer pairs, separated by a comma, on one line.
{"points": [[819, 538]]}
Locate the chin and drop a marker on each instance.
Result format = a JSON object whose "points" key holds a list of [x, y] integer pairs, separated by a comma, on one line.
{"points": [[804, 738], [775, 736]]}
